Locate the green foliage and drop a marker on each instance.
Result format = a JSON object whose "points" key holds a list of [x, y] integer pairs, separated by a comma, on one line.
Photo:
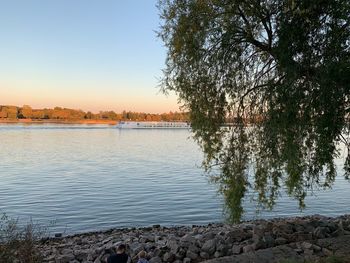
{"points": [[281, 66], [18, 244]]}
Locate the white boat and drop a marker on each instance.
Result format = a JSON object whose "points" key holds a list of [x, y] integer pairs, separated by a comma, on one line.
{"points": [[152, 125]]}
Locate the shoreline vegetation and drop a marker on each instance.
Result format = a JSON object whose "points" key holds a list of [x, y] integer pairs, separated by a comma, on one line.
{"points": [[313, 238], [58, 121], [26, 114]]}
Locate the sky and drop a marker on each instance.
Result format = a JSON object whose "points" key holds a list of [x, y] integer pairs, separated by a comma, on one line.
{"points": [[83, 54]]}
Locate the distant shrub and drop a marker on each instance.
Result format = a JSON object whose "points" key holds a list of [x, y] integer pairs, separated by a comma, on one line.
{"points": [[18, 243]]}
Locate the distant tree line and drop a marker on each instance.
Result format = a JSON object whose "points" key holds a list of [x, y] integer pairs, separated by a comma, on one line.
{"points": [[58, 113]]}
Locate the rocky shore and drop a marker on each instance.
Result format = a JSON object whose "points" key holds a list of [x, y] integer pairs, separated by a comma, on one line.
{"points": [[273, 240]]}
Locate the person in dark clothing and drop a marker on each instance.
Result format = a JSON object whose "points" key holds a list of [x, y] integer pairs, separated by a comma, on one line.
{"points": [[120, 257]]}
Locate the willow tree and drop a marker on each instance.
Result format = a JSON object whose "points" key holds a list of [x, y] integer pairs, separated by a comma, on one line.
{"points": [[280, 71]]}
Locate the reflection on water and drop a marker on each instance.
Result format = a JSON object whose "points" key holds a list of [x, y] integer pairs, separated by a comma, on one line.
{"points": [[90, 177]]}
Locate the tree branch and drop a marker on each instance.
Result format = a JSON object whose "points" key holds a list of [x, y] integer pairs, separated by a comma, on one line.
{"points": [[250, 38]]}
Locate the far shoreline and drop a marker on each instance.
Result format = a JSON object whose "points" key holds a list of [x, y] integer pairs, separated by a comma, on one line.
{"points": [[50, 121]]}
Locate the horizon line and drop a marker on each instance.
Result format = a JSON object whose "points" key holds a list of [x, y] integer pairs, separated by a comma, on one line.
{"points": [[93, 112]]}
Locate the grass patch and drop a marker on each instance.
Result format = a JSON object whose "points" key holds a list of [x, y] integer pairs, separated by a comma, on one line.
{"points": [[18, 243]]}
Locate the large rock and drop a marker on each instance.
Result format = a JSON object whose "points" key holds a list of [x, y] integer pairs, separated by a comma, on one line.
{"points": [[192, 255], [237, 235], [181, 253], [340, 246], [320, 232], [173, 245], [155, 260], [236, 249], [81, 255], [209, 246], [282, 228], [281, 241], [193, 248], [249, 248], [187, 240], [258, 232], [221, 248], [268, 240], [270, 255], [169, 257], [65, 258], [136, 247], [204, 255]]}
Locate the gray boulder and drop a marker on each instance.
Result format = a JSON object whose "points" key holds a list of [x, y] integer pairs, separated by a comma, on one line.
{"points": [[209, 246], [190, 254], [155, 260], [168, 257]]}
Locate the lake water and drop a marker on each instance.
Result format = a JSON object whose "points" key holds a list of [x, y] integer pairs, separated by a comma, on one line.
{"points": [[98, 177]]}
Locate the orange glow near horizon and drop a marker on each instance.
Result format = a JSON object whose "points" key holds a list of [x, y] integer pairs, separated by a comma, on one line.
{"points": [[89, 101]]}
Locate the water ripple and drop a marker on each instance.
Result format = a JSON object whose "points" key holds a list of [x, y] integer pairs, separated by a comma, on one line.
{"points": [[97, 177]]}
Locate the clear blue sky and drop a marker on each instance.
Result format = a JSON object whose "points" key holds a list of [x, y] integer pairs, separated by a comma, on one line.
{"points": [[88, 54]]}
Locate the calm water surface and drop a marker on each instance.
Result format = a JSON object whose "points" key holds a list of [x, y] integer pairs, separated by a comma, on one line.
{"points": [[98, 177]]}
